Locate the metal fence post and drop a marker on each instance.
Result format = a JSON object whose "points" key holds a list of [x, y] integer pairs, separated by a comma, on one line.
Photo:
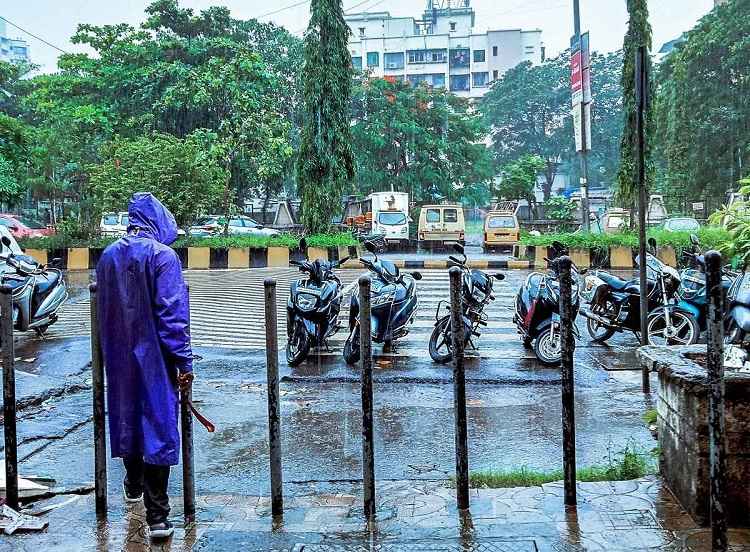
{"points": [[716, 421], [188, 453], [9, 397], [368, 431], [99, 405], [567, 345], [459, 389], [274, 410]]}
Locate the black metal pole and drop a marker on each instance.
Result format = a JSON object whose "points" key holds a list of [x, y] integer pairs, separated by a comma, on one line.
{"points": [[9, 397], [567, 346], [641, 99], [274, 409], [368, 432], [188, 458], [99, 405], [716, 421], [459, 390]]}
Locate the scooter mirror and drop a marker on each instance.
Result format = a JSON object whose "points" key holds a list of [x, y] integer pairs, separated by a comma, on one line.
{"points": [[6, 241], [499, 276], [694, 239], [416, 275], [303, 245], [652, 243], [458, 248], [370, 246]]}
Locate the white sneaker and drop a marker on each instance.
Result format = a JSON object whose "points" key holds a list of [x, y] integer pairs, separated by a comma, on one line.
{"points": [[161, 530], [130, 499]]}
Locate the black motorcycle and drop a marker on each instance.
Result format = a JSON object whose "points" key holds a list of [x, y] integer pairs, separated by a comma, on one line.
{"points": [[537, 315], [313, 308], [615, 305], [393, 305], [476, 292]]}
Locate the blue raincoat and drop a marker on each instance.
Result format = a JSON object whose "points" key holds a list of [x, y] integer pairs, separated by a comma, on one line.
{"points": [[145, 331]]}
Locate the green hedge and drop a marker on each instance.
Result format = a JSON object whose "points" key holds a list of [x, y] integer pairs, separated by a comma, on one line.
{"points": [[289, 241], [710, 237]]}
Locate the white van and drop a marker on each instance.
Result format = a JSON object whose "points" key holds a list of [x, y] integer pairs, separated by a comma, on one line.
{"points": [[114, 224], [390, 216]]}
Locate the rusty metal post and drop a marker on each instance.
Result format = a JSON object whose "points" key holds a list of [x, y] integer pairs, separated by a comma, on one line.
{"points": [[459, 389], [99, 405], [9, 396], [188, 457], [716, 421], [567, 346], [274, 409], [368, 431]]}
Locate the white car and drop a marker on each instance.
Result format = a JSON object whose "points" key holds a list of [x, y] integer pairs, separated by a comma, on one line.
{"points": [[238, 226], [114, 224]]}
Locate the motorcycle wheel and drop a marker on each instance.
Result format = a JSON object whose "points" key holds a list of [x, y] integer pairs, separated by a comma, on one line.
{"points": [[548, 349], [298, 345], [684, 330], [598, 332], [441, 349], [351, 348]]}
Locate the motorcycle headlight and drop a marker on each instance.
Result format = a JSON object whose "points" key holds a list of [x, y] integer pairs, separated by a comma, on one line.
{"points": [[306, 302], [478, 295]]}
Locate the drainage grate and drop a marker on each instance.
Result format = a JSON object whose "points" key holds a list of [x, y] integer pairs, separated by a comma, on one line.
{"points": [[485, 545]]}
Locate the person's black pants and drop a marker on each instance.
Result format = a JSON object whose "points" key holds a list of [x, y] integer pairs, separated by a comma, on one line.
{"points": [[152, 481]]}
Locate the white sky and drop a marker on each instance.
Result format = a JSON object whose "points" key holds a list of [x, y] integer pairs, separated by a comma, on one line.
{"points": [[56, 20]]}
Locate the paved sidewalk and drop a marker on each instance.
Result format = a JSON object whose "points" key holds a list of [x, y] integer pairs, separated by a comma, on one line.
{"points": [[618, 516]]}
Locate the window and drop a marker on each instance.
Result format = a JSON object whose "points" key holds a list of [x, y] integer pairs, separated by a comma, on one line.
{"points": [[480, 79], [373, 59], [529, 49], [433, 215], [453, 26], [495, 74], [459, 83], [362, 32], [460, 57], [427, 56], [125, 220], [450, 215], [392, 218], [479, 56], [436, 80], [394, 60], [110, 220], [502, 222], [357, 63], [494, 51], [235, 223]]}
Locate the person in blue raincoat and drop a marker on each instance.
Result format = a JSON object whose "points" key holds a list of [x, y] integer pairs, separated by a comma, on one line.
{"points": [[145, 333]]}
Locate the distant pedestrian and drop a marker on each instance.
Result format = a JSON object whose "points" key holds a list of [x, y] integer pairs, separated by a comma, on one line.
{"points": [[145, 332]]}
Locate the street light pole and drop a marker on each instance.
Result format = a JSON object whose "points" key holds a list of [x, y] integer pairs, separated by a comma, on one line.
{"points": [[585, 214]]}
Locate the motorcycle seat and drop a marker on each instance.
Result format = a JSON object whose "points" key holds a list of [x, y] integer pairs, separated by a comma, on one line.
{"points": [[46, 281], [618, 284]]}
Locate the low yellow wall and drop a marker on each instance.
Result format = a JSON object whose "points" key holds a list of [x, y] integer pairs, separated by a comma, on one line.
{"points": [[199, 257], [78, 258], [317, 253], [39, 255], [620, 257], [278, 257], [581, 257], [667, 255], [238, 258]]}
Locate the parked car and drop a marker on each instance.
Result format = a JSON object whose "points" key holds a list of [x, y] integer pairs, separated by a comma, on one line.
{"points": [[441, 225], [501, 230], [21, 227], [238, 226], [114, 224], [682, 224]]}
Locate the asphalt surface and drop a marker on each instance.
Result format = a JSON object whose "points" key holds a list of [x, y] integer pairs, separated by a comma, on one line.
{"points": [[513, 402]]}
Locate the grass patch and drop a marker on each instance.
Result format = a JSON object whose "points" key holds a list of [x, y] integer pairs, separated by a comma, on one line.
{"points": [[650, 416], [630, 463]]}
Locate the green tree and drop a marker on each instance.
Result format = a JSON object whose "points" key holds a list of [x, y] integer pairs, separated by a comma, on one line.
{"points": [[419, 140], [559, 208], [518, 179], [638, 35], [702, 109], [184, 173], [325, 169]]}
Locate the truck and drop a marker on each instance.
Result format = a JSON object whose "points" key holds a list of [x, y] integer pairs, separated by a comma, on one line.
{"points": [[385, 213]]}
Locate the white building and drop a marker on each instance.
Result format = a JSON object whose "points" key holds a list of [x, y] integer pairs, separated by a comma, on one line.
{"points": [[439, 49], [12, 50]]}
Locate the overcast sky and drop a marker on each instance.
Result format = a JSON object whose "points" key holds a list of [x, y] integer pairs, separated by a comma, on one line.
{"points": [[55, 20]]}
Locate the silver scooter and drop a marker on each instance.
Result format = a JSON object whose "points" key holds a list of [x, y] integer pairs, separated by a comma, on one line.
{"points": [[38, 291]]}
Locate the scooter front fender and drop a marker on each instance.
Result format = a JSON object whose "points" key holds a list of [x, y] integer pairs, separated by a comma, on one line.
{"points": [[741, 316]]}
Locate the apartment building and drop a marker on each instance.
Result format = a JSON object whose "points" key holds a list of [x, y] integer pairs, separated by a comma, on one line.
{"points": [[12, 50], [440, 49]]}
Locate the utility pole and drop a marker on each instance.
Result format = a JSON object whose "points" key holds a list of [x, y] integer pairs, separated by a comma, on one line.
{"points": [[585, 216]]}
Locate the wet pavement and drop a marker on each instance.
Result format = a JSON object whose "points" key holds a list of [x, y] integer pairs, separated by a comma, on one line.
{"points": [[513, 415]]}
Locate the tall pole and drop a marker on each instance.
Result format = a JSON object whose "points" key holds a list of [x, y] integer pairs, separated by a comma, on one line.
{"points": [[274, 408], [368, 432], [458, 339], [567, 344], [99, 406], [641, 101], [585, 215], [9, 397]]}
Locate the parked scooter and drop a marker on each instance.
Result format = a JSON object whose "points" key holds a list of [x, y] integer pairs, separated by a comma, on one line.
{"points": [[737, 323], [38, 291], [476, 291], [537, 313], [615, 305], [313, 307], [393, 305]]}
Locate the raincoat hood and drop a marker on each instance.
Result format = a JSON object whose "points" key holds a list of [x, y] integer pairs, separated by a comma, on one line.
{"points": [[154, 220]]}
